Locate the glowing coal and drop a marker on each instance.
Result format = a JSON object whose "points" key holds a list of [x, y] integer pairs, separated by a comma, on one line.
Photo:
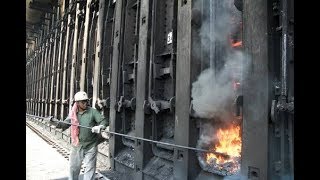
{"points": [[226, 141]]}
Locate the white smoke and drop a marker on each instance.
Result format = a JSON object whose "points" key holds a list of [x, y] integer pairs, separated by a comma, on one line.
{"points": [[212, 93]]}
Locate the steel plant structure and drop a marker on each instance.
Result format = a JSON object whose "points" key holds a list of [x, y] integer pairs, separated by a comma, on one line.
{"points": [[194, 89]]}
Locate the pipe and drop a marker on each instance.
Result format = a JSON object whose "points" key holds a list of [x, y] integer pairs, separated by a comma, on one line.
{"points": [[284, 57]]}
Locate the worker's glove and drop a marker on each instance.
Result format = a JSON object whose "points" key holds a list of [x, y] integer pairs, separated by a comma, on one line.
{"points": [[97, 129]]}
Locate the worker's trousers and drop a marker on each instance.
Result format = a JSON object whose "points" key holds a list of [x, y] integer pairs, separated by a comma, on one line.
{"points": [[89, 159]]}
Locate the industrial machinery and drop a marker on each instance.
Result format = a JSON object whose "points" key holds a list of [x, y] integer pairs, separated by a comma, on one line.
{"points": [[195, 89]]}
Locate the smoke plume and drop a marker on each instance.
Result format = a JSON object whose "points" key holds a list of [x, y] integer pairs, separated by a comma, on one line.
{"points": [[212, 93]]}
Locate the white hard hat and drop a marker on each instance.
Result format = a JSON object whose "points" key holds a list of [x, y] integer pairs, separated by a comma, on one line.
{"points": [[81, 95]]}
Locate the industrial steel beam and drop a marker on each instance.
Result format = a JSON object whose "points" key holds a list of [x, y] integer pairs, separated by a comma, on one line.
{"points": [[115, 122], [254, 159], [53, 72], [85, 47], [182, 166], [58, 101], [143, 152], [97, 58], [64, 101]]}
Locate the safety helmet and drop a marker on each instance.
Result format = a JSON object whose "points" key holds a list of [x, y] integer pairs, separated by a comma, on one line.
{"points": [[80, 96]]}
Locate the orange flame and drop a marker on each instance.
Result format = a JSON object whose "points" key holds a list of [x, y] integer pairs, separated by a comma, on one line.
{"points": [[229, 143], [237, 44]]}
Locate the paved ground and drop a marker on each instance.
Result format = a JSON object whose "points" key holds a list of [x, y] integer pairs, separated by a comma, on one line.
{"points": [[42, 161]]}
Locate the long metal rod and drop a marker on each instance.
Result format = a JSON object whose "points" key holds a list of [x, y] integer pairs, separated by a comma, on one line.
{"points": [[142, 139]]}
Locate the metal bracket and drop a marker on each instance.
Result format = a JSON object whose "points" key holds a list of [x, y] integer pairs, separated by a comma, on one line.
{"points": [[104, 103], [128, 77], [65, 102], [281, 105], [274, 111], [161, 71], [58, 101], [161, 105], [238, 103], [126, 103], [146, 107], [276, 87]]}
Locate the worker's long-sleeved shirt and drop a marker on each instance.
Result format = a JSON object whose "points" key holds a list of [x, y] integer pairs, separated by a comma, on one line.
{"points": [[90, 117]]}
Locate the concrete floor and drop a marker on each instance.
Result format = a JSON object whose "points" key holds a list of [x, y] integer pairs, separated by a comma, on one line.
{"points": [[42, 161]]}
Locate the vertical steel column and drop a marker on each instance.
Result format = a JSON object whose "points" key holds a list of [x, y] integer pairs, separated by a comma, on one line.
{"points": [[84, 47], [38, 63], [34, 78], [182, 166], [90, 51], [53, 72], [58, 70], [74, 55], [254, 161], [34, 72], [106, 56], [51, 62], [143, 151], [43, 51], [32, 81], [46, 63], [97, 69], [283, 93], [27, 85], [115, 123], [65, 60], [286, 144]]}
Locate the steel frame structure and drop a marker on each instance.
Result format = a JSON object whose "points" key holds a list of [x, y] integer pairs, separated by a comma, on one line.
{"points": [[138, 59]]}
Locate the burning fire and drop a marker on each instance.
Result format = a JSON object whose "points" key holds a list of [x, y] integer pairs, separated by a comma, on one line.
{"points": [[229, 143], [237, 44]]}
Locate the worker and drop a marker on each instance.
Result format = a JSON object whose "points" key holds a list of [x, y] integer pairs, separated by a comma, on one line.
{"points": [[84, 141]]}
